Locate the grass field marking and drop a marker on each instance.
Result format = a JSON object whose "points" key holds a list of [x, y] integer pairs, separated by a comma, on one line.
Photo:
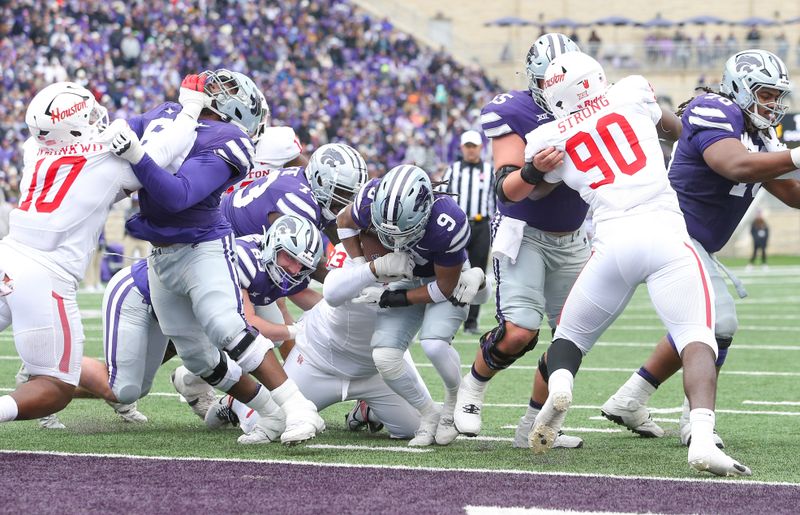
{"points": [[578, 429], [520, 510], [651, 345], [367, 448], [699, 479], [773, 403]]}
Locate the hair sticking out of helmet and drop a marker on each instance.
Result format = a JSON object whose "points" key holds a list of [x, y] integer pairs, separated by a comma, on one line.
{"points": [[572, 81], [236, 99], [402, 207], [545, 49], [300, 240], [746, 74], [335, 172], [65, 113]]}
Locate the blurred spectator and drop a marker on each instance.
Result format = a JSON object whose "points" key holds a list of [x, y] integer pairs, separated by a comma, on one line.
{"points": [[753, 37], [594, 44], [782, 46], [760, 233]]}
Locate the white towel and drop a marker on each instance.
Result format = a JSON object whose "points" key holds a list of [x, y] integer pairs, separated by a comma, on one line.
{"points": [[508, 238]]}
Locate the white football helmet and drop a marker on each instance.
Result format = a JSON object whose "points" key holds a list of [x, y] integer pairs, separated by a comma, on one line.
{"points": [[571, 81], [335, 172], [402, 207], [236, 99], [297, 237], [265, 118], [545, 49], [65, 113], [750, 70]]}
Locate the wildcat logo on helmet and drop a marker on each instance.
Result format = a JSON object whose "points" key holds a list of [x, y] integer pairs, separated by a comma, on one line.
{"points": [[749, 62], [58, 115]]}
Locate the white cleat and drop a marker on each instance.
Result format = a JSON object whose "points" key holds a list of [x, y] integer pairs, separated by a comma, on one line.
{"points": [[446, 431], [549, 421], [686, 436], [128, 413], [48, 422], [711, 459], [629, 412], [221, 414], [266, 430], [198, 394], [302, 425], [562, 441], [425, 435], [467, 414]]}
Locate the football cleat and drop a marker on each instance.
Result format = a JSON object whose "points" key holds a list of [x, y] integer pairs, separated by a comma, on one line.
{"points": [[198, 394], [425, 435], [48, 422], [128, 412], [221, 414], [548, 422], [469, 403], [302, 425], [362, 416], [711, 459], [562, 441], [629, 412], [266, 430], [446, 431]]}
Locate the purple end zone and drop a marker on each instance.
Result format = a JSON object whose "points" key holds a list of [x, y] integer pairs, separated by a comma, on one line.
{"points": [[31, 483]]}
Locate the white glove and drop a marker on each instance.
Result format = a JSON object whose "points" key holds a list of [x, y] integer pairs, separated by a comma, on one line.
{"points": [[127, 146], [468, 285], [369, 295], [294, 330], [393, 267]]}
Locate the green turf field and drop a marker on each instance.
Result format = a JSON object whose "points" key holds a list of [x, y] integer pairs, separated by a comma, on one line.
{"points": [[758, 407]]}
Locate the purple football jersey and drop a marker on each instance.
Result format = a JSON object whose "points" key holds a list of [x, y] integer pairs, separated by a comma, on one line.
{"points": [[253, 277], [562, 210], [220, 156], [139, 274], [285, 191], [712, 205], [446, 234]]}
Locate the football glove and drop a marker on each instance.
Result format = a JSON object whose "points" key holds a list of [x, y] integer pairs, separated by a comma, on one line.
{"points": [[369, 295], [393, 267], [192, 96], [126, 145], [468, 285]]}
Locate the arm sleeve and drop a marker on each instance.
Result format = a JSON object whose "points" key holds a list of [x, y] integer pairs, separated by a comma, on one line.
{"points": [[172, 141], [196, 179], [343, 284]]}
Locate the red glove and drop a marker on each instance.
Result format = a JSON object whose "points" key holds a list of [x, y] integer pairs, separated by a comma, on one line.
{"points": [[194, 82]]}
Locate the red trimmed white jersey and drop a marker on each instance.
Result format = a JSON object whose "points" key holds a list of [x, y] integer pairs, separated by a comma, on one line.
{"points": [[277, 146], [65, 196], [613, 157]]}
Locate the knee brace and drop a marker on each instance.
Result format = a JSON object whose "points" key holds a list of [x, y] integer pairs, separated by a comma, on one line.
{"points": [[564, 354], [389, 362], [722, 348], [494, 357], [225, 375], [543, 368], [250, 350]]}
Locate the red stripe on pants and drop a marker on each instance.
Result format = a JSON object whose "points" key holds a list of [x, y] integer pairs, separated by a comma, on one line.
{"points": [[704, 281], [62, 314]]}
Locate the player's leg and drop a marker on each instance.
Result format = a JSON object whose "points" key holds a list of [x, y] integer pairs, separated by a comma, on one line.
{"points": [[478, 252], [399, 418]]}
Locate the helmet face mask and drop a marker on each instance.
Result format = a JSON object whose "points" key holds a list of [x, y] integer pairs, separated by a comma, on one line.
{"points": [[236, 99], [545, 49], [300, 240], [402, 207], [335, 173], [571, 81], [65, 113], [752, 71]]}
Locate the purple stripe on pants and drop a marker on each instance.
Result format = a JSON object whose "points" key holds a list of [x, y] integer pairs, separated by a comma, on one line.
{"points": [[229, 247], [111, 347]]}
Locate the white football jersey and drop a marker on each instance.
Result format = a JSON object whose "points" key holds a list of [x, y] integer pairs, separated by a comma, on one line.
{"points": [[613, 157], [340, 336], [277, 146], [65, 196]]}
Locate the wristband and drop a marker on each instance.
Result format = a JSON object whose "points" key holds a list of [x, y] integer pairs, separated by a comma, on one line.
{"points": [[346, 232], [435, 293], [394, 299], [795, 155], [292, 331], [531, 175]]}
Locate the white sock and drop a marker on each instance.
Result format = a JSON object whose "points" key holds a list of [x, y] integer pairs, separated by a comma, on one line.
{"points": [[8, 408], [530, 414], [638, 388], [262, 403], [561, 381], [685, 414], [290, 398], [472, 383], [446, 361], [702, 421]]}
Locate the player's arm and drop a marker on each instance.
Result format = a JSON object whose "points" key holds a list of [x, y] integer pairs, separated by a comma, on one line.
{"points": [[266, 328], [439, 290], [731, 159], [669, 127], [510, 186], [348, 230], [786, 190], [306, 299]]}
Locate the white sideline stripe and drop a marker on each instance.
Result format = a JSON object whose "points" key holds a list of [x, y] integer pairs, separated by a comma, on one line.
{"points": [[629, 370], [651, 345], [655, 419], [773, 403], [705, 479], [661, 410], [517, 510], [367, 448], [578, 429]]}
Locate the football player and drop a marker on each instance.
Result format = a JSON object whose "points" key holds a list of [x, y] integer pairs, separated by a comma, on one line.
{"points": [[194, 285], [539, 247], [408, 217], [277, 147], [604, 144], [728, 150], [71, 178]]}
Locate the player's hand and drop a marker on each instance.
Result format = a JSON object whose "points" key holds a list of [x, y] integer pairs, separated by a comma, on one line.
{"points": [[393, 267], [548, 159], [192, 95], [369, 295], [468, 285], [126, 145]]}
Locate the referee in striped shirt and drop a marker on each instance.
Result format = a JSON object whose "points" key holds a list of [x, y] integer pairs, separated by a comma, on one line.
{"points": [[472, 180]]}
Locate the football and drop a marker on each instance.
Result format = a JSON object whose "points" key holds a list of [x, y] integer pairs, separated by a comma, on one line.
{"points": [[372, 246]]}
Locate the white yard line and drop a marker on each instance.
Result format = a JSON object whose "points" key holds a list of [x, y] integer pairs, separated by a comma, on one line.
{"points": [[385, 448], [773, 403]]}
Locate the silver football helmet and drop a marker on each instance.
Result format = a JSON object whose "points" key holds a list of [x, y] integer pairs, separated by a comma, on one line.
{"points": [[236, 99], [402, 207], [300, 240], [571, 81], [750, 70], [65, 113], [545, 49], [335, 172]]}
